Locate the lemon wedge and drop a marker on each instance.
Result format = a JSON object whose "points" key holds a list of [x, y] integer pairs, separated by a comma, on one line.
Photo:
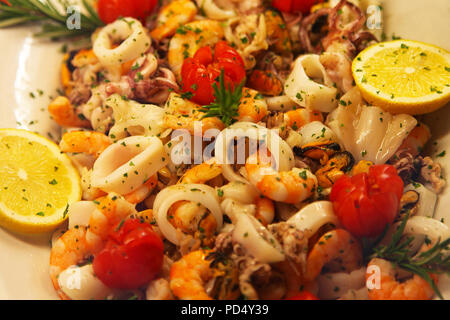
{"points": [[37, 183], [404, 76]]}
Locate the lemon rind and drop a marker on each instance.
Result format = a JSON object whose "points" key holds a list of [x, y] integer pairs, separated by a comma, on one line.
{"points": [[417, 105], [39, 224]]}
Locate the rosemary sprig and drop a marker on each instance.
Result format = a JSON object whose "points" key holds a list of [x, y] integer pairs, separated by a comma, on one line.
{"points": [[226, 105], [16, 12], [435, 260]]}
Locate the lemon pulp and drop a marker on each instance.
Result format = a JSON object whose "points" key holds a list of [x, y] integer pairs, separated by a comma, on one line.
{"points": [[37, 182], [404, 76]]}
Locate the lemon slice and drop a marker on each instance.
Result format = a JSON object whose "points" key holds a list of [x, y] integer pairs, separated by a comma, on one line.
{"points": [[37, 182], [404, 76]]}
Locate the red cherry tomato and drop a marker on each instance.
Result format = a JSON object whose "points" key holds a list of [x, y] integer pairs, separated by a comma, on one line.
{"points": [[201, 71], [303, 295], [132, 257], [366, 203], [292, 6], [110, 10], [143, 8]]}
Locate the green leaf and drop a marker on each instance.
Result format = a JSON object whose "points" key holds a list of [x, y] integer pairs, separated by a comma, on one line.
{"points": [[432, 261], [226, 105], [54, 27]]}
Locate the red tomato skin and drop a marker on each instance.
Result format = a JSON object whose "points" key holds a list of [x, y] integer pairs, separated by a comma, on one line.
{"points": [[196, 79], [204, 56], [131, 258], [366, 203], [110, 10], [234, 72], [292, 6], [143, 8], [223, 50], [203, 70], [303, 295], [282, 5]]}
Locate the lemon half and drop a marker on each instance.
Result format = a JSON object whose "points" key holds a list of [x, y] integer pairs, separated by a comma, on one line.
{"points": [[37, 183], [404, 76]]}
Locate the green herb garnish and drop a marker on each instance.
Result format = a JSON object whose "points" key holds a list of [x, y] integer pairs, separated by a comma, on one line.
{"points": [[226, 105], [433, 261], [55, 19]]}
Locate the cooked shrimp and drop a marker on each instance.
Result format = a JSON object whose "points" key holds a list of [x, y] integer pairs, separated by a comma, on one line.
{"points": [[171, 17], [186, 216], [252, 106], [195, 35], [416, 140], [89, 192], [189, 275], [84, 57], [265, 82], [66, 115], [141, 193], [292, 187], [70, 249], [88, 142], [184, 114], [191, 217], [80, 243], [336, 245], [297, 118], [415, 288], [202, 173], [265, 210]]}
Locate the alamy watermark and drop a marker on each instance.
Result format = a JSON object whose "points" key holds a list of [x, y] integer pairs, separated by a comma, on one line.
{"points": [[373, 21], [73, 21], [231, 146], [374, 17]]}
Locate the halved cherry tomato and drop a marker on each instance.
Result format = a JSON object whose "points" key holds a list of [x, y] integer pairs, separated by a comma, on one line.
{"points": [[201, 71], [132, 257], [110, 10], [303, 295], [366, 203], [291, 6]]}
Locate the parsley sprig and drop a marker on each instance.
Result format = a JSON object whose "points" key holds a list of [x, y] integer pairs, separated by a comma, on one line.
{"points": [[435, 260], [226, 105], [54, 18]]}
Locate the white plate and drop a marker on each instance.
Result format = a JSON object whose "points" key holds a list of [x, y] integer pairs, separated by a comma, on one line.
{"points": [[29, 65]]}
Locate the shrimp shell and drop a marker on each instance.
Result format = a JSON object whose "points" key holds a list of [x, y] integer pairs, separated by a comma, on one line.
{"points": [[337, 245], [172, 16], [189, 275], [415, 288]]}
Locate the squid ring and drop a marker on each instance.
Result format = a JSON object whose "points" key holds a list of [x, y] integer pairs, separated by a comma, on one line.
{"points": [[303, 88], [313, 216], [212, 11], [127, 164], [278, 148], [258, 241], [135, 42], [198, 193]]}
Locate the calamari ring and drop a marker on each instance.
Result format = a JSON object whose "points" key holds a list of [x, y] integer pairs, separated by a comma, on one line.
{"points": [[135, 42], [127, 164]]}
